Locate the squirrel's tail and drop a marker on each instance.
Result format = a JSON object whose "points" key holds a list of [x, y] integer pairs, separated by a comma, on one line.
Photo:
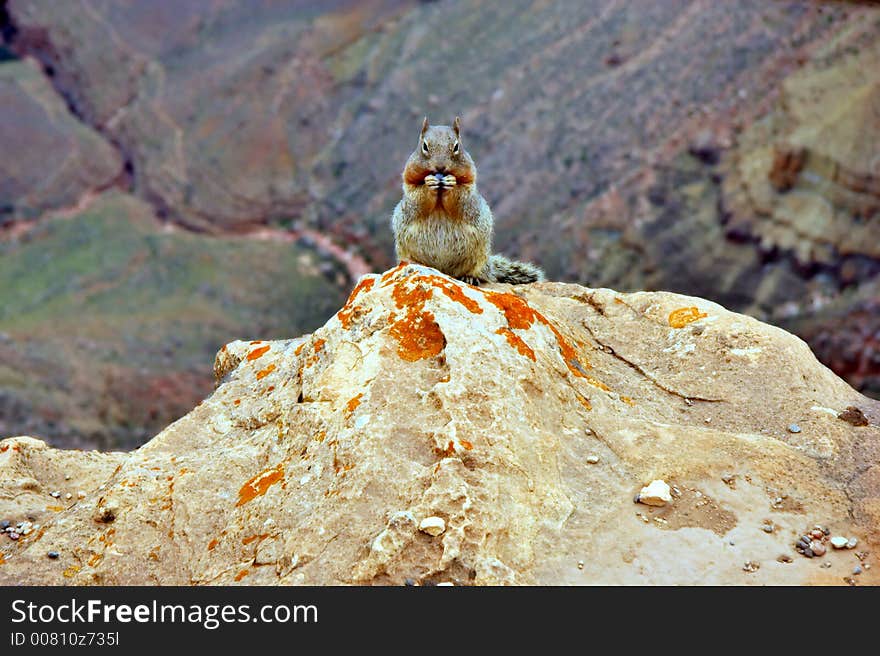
{"points": [[515, 273]]}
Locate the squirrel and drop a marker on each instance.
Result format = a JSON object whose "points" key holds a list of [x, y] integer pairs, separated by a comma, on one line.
{"points": [[442, 221]]}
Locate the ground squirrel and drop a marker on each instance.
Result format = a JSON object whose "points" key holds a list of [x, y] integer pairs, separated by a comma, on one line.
{"points": [[442, 221]]}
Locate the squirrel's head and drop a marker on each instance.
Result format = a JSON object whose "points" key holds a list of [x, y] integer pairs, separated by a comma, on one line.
{"points": [[440, 151]]}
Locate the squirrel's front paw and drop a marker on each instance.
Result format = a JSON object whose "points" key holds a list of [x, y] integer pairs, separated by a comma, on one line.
{"points": [[471, 280], [449, 181], [431, 181]]}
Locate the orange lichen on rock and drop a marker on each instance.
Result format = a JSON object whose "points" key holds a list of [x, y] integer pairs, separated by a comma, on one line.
{"points": [[520, 315], [265, 372], [213, 543], [683, 316], [257, 486], [516, 342], [516, 310], [71, 571], [388, 275], [95, 559], [418, 336], [256, 353], [353, 403], [349, 311], [627, 400], [241, 574], [319, 344], [597, 383], [585, 402], [299, 348], [467, 445], [252, 538]]}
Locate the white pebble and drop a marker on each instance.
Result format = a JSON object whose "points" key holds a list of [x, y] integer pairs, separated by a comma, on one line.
{"points": [[446, 584], [839, 542], [68, 496], [592, 460], [851, 543], [432, 525], [655, 494]]}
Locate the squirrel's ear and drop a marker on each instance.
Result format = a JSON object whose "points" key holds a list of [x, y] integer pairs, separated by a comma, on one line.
{"points": [[456, 125], [424, 126]]}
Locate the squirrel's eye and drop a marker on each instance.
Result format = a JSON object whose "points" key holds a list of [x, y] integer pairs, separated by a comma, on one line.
{"points": [[425, 147], [455, 148]]}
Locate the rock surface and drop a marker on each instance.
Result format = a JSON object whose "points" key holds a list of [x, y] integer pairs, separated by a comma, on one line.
{"points": [[316, 459]]}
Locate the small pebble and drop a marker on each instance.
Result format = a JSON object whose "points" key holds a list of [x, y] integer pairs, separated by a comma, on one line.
{"points": [[808, 552], [68, 496], [580, 564], [14, 536], [53, 554], [751, 566], [839, 542], [825, 565], [851, 543], [446, 584], [592, 460], [784, 558], [767, 528], [816, 534], [857, 570], [794, 428], [817, 548], [55, 494], [433, 526], [67, 477], [80, 495], [826, 531], [5, 524], [409, 582], [655, 494]]}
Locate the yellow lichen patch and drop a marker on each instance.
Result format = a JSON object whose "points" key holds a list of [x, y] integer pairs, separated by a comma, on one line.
{"points": [[154, 553], [71, 571], [299, 348], [627, 400], [320, 436], [265, 372], [54, 508], [258, 352], [2, 559], [257, 486], [353, 403], [516, 342], [418, 336], [95, 559], [585, 402], [467, 445], [350, 311], [212, 544], [241, 574], [683, 316]]}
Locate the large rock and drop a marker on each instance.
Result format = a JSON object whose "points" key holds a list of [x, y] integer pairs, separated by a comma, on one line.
{"points": [[715, 149], [526, 418]]}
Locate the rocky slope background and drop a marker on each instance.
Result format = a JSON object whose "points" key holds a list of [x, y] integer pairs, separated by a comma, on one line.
{"points": [[431, 432], [176, 174]]}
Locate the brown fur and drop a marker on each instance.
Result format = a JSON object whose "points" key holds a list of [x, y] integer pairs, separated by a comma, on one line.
{"points": [[447, 224]]}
